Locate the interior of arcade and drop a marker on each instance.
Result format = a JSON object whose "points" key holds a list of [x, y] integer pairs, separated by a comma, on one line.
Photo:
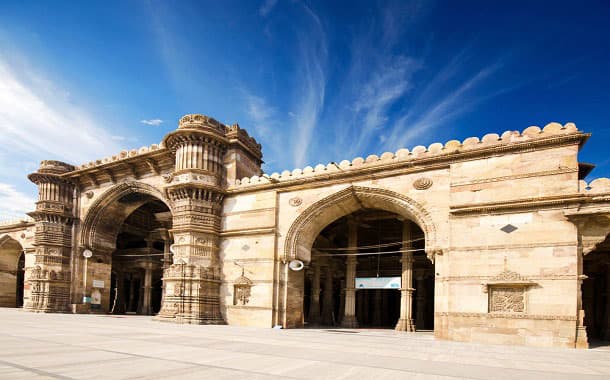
{"points": [[142, 252], [12, 271], [596, 293], [378, 243]]}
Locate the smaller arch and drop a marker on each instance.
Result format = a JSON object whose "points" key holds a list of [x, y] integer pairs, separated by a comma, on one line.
{"points": [[11, 252], [309, 224], [89, 233]]}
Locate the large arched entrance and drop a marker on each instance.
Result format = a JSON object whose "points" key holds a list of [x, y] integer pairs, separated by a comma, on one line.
{"points": [[128, 232], [12, 264], [389, 211], [356, 270]]}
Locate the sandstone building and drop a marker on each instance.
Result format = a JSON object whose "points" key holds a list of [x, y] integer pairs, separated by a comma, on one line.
{"points": [[494, 240]]}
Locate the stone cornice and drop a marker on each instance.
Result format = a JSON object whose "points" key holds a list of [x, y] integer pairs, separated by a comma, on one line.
{"points": [[15, 225], [132, 163], [516, 176], [470, 249], [248, 232], [519, 204]]}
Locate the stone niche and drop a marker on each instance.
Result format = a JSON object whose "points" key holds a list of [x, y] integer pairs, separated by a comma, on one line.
{"points": [[242, 289]]}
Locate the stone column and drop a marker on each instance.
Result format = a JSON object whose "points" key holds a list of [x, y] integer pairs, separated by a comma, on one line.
{"points": [[146, 305], [327, 303], [50, 274], [405, 322], [420, 316], [167, 254], [349, 314], [314, 307], [132, 293]]}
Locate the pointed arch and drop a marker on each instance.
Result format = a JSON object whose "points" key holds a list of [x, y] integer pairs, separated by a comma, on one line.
{"points": [[92, 234], [311, 222], [10, 253]]}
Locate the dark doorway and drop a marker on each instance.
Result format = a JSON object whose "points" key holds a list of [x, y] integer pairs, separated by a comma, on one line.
{"points": [[20, 280]]}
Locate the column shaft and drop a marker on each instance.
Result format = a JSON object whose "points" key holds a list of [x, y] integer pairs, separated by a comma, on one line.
{"points": [[314, 307], [349, 314], [327, 304], [147, 308], [405, 323], [420, 316]]}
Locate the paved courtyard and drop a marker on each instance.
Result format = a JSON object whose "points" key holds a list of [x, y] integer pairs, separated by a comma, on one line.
{"points": [[65, 346]]}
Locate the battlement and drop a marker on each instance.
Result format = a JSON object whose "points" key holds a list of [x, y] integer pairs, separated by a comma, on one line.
{"points": [[187, 122], [452, 148], [125, 154]]}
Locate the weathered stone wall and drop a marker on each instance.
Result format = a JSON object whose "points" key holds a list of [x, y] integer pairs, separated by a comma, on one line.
{"points": [[505, 219], [543, 248]]}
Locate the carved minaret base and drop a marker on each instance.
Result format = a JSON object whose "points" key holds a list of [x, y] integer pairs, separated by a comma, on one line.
{"points": [[192, 283], [192, 295], [50, 276]]}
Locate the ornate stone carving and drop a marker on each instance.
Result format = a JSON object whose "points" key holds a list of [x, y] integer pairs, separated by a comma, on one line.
{"points": [[295, 202], [422, 183], [508, 275], [242, 290], [506, 300]]}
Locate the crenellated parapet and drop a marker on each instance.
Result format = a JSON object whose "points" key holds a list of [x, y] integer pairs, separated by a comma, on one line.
{"points": [[50, 276], [453, 150]]}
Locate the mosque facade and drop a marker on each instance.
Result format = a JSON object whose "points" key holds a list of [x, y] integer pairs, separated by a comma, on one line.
{"points": [[494, 240]]}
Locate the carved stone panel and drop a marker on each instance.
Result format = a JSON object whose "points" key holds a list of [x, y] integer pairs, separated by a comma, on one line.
{"points": [[506, 299]]}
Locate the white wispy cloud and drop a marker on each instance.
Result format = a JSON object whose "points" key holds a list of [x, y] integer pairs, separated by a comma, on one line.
{"points": [[387, 84], [313, 54], [14, 203], [39, 120], [454, 103], [265, 123], [266, 7], [36, 120], [153, 122]]}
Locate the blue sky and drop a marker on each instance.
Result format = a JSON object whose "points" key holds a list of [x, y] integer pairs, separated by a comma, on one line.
{"points": [[313, 81]]}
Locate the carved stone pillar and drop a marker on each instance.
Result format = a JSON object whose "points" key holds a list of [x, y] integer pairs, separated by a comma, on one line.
{"points": [[167, 254], [50, 275], [405, 322], [327, 304], [132, 293], [192, 282], [420, 316], [314, 307], [349, 315], [147, 288]]}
